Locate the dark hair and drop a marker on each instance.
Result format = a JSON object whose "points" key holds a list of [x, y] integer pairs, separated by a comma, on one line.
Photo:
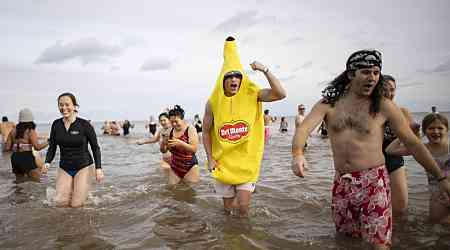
{"points": [[4, 119], [388, 78], [72, 97], [163, 114], [282, 118], [177, 111], [22, 127], [266, 111], [430, 118], [338, 87]]}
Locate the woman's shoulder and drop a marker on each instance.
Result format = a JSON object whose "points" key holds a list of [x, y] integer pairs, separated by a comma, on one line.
{"points": [[57, 121]]}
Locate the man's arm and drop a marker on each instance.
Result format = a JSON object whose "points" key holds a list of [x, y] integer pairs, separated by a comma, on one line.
{"points": [[208, 125], [402, 129], [208, 120], [276, 91], [304, 129]]}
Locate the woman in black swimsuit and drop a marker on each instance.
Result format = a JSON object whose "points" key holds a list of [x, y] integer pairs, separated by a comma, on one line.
{"points": [[73, 134]]}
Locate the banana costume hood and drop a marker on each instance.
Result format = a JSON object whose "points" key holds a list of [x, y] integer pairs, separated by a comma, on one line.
{"points": [[238, 133]]}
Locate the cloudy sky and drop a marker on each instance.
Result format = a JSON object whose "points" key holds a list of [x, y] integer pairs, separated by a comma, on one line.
{"points": [[131, 59]]}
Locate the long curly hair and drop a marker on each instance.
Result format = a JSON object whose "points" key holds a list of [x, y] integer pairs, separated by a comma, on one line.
{"points": [[22, 127], [338, 87]]}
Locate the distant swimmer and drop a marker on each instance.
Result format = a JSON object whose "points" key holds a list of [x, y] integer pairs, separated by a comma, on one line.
{"points": [[435, 128], [5, 128], [126, 125], [151, 126], [299, 119], [434, 110], [162, 134], [300, 115], [283, 125], [268, 120], [106, 128], [21, 141], [73, 134], [198, 126], [233, 129], [356, 111], [182, 143], [115, 128]]}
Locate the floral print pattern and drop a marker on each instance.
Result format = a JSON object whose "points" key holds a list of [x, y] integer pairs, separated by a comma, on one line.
{"points": [[361, 205]]}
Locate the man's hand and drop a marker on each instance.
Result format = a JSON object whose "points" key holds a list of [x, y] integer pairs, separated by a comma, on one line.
{"points": [[212, 164], [299, 165], [257, 66]]}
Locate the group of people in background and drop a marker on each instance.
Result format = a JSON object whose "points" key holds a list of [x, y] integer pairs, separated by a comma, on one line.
{"points": [[114, 127], [368, 135]]}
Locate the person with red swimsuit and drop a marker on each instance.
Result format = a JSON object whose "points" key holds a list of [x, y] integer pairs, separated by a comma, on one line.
{"points": [[182, 143]]}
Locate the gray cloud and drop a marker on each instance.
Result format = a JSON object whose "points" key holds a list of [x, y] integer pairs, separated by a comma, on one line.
{"points": [[294, 40], [155, 64], [412, 84], [306, 65], [287, 78], [323, 83], [442, 68], [241, 20], [87, 50]]}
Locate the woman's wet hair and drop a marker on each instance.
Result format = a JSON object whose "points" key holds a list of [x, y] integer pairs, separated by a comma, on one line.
{"points": [[163, 114], [177, 111], [430, 118], [21, 127], [72, 98], [339, 86]]}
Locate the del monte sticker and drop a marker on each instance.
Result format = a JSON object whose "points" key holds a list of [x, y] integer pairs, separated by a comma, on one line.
{"points": [[234, 131]]}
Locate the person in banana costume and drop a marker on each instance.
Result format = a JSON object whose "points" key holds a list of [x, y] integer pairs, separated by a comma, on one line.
{"points": [[233, 129]]}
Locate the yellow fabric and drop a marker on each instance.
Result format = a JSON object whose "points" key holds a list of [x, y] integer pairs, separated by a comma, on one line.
{"points": [[238, 133]]}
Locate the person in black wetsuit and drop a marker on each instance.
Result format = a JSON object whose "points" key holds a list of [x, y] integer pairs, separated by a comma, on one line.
{"points": [[73, 134], [395, 164], [198, 126], [126, 127]]}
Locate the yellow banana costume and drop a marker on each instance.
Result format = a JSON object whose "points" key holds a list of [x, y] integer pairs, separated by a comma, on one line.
{"points": [[238, 133]]}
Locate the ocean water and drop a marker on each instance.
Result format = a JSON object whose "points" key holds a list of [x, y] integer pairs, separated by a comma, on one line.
{"points": [[134, 209]]}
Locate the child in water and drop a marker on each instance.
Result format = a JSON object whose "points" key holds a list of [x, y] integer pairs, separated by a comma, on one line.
{"points": [[435, 128]]}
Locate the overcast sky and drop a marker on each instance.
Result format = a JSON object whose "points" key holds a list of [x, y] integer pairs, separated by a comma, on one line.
{"points": [[131, 59]]}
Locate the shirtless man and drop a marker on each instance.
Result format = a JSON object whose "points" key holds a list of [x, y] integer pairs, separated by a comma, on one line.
{"points": [[301, 115], [356, 111], [5, 128]]}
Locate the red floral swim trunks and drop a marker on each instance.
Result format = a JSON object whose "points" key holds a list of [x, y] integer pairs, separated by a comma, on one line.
{"points": [[361, 205]]}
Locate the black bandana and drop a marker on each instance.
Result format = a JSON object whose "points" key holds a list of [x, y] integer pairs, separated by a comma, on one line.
{"points": [[364, 59]]}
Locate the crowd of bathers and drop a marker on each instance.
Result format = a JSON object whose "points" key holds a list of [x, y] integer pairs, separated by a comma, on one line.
{"points": [[369, 135]]}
